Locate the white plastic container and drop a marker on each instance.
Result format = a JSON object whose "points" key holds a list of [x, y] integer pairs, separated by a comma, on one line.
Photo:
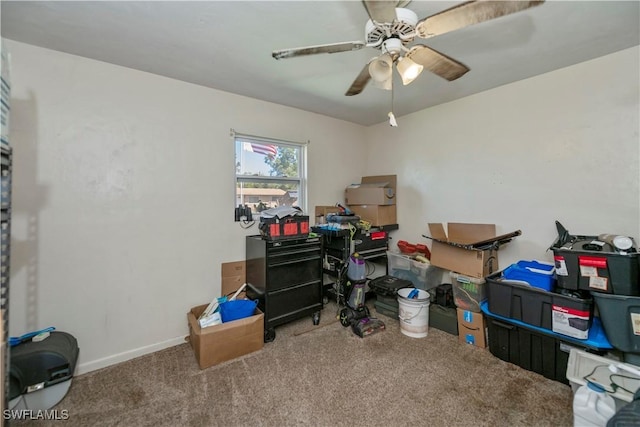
{"points": [[582, 364], [592, 407]]}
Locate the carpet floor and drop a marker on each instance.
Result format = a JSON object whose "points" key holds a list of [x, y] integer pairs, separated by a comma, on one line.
{"points": [[321, 375]]}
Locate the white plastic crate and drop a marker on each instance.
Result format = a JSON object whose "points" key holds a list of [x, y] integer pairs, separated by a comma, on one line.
{"points": [[582, 364]]}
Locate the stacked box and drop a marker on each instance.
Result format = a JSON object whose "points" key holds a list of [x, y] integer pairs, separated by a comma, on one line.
{"points": [[374, 199], [472, 328], [468, 292]]}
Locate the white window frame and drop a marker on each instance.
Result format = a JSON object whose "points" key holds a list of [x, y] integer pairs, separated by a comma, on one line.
{"points": [[302, 166]]}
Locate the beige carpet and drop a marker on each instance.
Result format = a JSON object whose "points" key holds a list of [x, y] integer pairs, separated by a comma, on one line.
{"points": [[321, 376]]}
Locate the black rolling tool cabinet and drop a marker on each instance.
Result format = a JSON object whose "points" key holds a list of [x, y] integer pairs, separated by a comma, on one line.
{"points": [[285, 276]]}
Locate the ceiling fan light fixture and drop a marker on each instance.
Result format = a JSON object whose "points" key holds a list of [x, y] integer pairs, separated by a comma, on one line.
{"points": [[408, 69], [380, 68]]}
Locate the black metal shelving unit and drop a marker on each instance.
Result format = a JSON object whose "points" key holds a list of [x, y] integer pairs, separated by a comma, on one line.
{"points": [[338, 245], [6, 165]]}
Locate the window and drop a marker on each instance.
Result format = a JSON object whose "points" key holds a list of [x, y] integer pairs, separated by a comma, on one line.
{"points": [[269, 173]]}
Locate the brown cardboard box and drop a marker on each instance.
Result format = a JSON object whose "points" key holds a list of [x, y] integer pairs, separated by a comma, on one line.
{"points": [[372, 190], [472, 328], [233, 277], [469, 249], [377, 215], [324, 210], [218, 343]]}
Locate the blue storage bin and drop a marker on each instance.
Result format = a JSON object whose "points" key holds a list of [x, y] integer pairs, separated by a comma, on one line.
{"points": [[535, 273]]}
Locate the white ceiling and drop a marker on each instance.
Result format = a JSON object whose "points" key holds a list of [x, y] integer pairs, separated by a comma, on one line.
{"points": [[227, 45]]}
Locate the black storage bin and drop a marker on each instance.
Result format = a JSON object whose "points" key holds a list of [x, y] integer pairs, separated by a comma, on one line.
{"points": [[620, 315], [546, 355], [535, 306], [581, 264], [443, 318], [389, 310]]}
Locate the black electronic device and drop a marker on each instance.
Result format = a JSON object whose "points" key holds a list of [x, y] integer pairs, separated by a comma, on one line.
{"points": [[388, 285], [444, 295], [36, 366]]}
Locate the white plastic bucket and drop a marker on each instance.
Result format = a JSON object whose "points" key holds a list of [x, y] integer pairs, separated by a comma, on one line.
{"points": [[413, 313]]}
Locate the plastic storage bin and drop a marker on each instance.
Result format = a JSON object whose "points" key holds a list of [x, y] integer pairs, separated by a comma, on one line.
{"points": [[564, 314], [586, 263], [620, 317], [423, 275], [536, 350], [468, 292], [535, 273]]}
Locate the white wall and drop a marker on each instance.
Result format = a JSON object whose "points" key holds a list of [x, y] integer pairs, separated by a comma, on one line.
{"points": [[124, 180], [560, 146], [123, 196]]}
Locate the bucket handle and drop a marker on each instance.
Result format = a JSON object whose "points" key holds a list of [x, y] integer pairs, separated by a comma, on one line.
{"points": [[405, 319]]}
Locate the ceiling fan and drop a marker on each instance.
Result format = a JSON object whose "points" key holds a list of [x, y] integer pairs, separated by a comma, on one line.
{"points": [[392, 28]]}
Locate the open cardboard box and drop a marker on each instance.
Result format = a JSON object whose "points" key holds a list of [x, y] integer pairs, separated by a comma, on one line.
{"points": [[218, 343], [372, 190], [469, 249]]}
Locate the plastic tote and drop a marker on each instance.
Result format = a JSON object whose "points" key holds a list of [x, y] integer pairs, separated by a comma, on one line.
{"points": [[237, 309]]}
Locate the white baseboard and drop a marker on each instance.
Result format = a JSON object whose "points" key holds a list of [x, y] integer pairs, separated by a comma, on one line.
{"points": [[83, 368]]}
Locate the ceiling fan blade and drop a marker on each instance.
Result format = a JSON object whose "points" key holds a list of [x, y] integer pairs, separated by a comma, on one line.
{"points": [[360, 82], [436, 62], [322, 48], [469, 13], [381, 10]]}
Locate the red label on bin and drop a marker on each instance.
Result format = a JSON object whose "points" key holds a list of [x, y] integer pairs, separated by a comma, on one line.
{"points": [[274, 230], [377, 235], [592, 261], [291, 229]]}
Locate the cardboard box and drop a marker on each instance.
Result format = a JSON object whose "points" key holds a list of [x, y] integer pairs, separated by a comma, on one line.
{"points": [[233, 276], [469, 249], [325, 210], [372, 190], [377, 215], [218, 343], [472, 328]]}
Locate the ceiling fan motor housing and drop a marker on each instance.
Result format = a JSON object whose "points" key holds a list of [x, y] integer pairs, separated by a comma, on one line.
{"points": [[402, 28]]}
